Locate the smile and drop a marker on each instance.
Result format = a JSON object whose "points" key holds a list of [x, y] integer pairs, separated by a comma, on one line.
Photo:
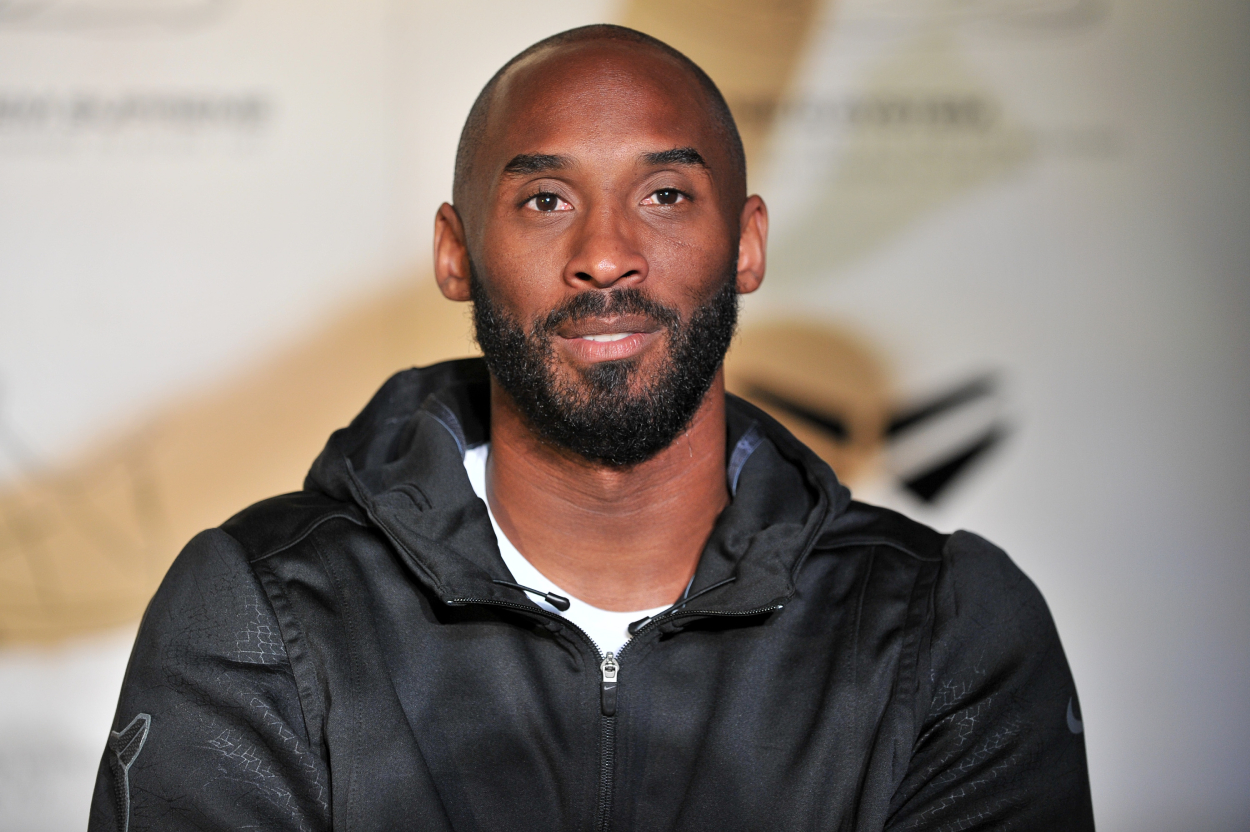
{"points": [[608, 337], [595, 347], [597, 338]]}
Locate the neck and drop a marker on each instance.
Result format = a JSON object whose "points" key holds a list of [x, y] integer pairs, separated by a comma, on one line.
{"points": [[617, 538]]}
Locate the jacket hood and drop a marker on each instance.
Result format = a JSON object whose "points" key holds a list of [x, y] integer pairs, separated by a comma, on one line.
{"points": [[401, 461]]}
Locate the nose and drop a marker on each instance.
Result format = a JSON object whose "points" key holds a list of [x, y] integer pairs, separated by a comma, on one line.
{"points": [[606, 253]]}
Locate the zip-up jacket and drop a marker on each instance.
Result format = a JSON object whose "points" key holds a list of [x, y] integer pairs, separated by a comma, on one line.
{"points": [[345, 657]]}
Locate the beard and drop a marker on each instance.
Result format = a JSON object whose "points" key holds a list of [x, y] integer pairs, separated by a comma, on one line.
{"points": [[611, 412]]}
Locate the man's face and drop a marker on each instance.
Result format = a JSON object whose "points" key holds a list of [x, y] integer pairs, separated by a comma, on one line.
{"points": [[602, 240]]}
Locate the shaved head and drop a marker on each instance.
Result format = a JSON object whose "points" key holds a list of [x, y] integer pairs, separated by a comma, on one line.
{"points": [[478, 124]]}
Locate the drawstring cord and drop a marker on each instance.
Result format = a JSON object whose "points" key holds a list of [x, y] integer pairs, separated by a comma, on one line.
{"points": [[561, 603], [558, 601], [635, 626]]}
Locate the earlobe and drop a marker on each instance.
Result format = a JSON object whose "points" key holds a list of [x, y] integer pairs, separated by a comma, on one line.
{"points": [[451, 254], [752, 245]]}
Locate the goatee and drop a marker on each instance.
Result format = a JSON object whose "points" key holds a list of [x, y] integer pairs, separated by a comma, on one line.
{"points": [[607, 412]]}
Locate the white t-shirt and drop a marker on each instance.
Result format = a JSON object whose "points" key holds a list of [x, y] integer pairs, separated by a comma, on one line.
{"points": [[609, 630]]}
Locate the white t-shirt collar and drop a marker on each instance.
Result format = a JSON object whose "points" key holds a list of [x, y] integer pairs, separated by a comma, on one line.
{"points": [[608, 629]]}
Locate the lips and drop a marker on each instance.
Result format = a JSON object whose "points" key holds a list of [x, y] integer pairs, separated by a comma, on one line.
{"points": [[594, 326], [607, 338]]}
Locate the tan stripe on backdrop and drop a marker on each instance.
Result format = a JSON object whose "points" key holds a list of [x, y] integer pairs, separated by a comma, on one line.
{"points": [[751, 48], [83, 546]]}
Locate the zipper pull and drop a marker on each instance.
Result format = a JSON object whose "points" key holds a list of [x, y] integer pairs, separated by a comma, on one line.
{"points": [[609, 667]]}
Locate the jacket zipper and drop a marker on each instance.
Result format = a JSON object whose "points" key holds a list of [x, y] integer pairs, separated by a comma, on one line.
{"points": [[609, 667], [609, 670]]}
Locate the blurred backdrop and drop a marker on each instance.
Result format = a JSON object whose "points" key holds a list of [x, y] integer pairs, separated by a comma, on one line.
{"points": [[1008, 290]]}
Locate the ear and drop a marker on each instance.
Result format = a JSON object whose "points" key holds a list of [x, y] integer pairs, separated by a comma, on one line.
{"points": [[752, 245], [451, 254]]}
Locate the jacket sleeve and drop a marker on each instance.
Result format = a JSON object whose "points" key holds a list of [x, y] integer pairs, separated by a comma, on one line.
{"points": [[209, 732], [1000, 744]]}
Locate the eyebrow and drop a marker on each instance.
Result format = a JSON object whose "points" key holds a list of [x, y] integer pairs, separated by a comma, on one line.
{"points": [[526, 164], [676, 156]]}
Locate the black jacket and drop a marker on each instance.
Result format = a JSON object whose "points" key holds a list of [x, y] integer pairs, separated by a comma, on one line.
{"points": [[340, 658]]}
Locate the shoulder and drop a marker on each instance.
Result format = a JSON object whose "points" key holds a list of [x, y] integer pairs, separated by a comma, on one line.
{"points": [[213, 590], [209, 612], [863, 525], [985, 612], [279, 523], [961, 590], [966, 567], [980, 581]]}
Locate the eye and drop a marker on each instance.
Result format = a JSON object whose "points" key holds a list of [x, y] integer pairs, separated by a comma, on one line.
{"points": [[665, 196], [546, 203]]}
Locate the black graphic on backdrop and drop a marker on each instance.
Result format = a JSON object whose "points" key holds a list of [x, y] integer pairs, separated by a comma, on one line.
{"points": [[947, 433]]}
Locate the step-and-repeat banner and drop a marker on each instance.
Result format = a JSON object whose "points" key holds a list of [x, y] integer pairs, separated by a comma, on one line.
{"points": [[1008, 290]]}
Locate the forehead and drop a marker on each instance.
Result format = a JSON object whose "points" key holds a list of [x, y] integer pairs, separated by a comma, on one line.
{"points": [[598, 96]]}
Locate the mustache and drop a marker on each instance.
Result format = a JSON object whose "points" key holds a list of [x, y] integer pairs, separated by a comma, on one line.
{"points": [[629, 301]]}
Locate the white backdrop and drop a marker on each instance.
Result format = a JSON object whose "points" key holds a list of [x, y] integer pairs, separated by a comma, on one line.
{"points": [[186, 186]]}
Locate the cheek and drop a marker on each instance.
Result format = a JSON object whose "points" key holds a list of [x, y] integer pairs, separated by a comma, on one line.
{"points": [[522, 277], [690, 271]]}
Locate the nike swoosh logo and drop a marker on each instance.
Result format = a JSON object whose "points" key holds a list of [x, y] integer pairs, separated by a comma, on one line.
{"points": [[1074, 725]]}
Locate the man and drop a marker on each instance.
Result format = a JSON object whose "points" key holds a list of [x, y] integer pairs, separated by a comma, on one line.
{"points": [[576, 586]]}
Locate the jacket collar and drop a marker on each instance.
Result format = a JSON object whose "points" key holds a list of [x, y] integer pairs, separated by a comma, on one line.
{"points": [[401, 461]]}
